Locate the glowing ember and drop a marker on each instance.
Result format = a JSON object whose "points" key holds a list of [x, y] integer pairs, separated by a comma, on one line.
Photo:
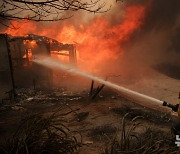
{"points": [[98, 42], [32, 43]]}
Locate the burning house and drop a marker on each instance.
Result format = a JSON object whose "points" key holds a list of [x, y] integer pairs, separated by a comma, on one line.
{"points": [[121, 98], [16, 67]]}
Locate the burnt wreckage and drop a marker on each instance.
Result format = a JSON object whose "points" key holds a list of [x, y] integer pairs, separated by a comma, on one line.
{"points": [[16, 67]]}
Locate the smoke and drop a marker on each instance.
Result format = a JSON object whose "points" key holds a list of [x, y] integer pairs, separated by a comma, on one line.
{"points": [[162, 14], [154, 43], [157, 40], [159, 13]]}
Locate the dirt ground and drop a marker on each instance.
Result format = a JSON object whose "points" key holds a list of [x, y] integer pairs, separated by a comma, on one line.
{"points": [[98, 120]]}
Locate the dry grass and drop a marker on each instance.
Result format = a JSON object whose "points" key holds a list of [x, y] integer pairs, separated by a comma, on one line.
{"points": [[38, 134], [149, 115], [129, 141], [102, 132]]}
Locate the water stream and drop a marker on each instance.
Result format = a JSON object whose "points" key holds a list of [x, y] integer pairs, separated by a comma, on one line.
{"points": [[133, 95]]}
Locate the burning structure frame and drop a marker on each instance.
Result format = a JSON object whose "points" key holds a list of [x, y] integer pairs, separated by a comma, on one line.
{"points": [[16, 67]]}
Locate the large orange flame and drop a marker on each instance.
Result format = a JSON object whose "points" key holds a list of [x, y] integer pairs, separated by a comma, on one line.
{"points": [[98, 43]]}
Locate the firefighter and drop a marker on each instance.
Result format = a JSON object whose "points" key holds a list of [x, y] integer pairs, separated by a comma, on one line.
{"points": [[175, 108]]}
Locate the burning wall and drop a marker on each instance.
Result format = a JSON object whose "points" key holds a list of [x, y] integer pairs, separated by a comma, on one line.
{"points": [[23, 49]]}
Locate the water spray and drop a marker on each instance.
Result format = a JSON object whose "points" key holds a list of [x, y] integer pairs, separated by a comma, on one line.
{"points": [[55, 64]]}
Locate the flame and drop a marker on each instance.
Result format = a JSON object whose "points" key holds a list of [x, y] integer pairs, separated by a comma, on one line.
{"points": [[28, 54], [99, 43], [31, 43]]}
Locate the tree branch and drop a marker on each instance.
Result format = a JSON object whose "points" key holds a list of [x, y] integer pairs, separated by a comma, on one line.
{"points": [[47, 10]]}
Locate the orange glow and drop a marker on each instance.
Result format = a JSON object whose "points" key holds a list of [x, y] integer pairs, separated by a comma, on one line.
{"points": [[28, 54], [63, 57], [32, 43], [98, 43]]}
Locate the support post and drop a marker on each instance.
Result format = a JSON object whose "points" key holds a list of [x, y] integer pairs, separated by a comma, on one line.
{"points": [[98, 91], [91, 89], [11, 67]]}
